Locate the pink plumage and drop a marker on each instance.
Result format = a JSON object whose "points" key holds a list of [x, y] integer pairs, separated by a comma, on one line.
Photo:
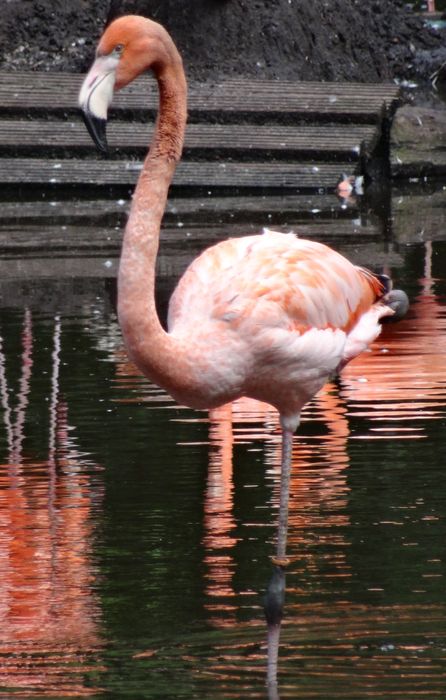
{"points": [[272, 316]]}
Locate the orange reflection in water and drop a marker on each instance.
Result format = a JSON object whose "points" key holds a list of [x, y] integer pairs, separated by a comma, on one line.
{"points": [[402, 381], [48, 613], [394, 389], [320, 477]]}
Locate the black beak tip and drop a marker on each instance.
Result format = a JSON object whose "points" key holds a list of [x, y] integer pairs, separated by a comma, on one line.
{"points": [[97, 129]]}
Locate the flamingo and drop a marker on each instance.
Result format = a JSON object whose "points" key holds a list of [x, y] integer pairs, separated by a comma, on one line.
{"points": [[268, 316]]}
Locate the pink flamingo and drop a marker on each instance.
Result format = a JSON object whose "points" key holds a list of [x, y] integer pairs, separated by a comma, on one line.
{"points": [[268, 316]]}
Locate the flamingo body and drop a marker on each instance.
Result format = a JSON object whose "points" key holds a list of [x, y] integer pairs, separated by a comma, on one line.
{"points": [[271, 316]]}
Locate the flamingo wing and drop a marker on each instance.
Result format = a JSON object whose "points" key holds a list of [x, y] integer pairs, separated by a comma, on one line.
{"points": [[275, 280]]}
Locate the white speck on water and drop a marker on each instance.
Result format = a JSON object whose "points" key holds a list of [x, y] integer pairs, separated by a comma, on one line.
{"points": [[120, 202], [332, 99], [180, 224], [108, 263], [315, 211], [56, 166], [315, 169]]}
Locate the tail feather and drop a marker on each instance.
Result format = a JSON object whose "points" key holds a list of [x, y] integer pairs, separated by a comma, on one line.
{"points": [[387, 284]]}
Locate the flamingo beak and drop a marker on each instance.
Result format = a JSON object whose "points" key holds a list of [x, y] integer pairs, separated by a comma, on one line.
{"points": [[95, 97], [97, 130]]}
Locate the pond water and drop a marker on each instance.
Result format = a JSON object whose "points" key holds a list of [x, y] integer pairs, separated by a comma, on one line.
{"points": [[135, 534]]}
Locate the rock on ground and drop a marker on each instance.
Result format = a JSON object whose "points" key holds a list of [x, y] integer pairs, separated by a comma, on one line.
{"points": [[418, 142]]}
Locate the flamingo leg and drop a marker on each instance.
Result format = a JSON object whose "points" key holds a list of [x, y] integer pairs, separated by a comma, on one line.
{"points": [[285, 475], [275, 592]]}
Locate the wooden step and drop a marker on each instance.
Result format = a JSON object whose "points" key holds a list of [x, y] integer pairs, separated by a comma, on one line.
{"points": [[73, 239], [205, 175], [43, 137], [70, 254], [54, 252], [243, 133], [285, 209], [56, 93]]}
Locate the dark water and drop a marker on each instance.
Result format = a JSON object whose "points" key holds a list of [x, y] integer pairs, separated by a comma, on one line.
{"points": [[135, 534]]}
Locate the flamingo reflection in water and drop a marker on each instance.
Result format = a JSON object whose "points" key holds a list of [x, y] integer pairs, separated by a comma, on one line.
{"points": [[48, 613], [399, 383], [321, 477], [398, 396]]}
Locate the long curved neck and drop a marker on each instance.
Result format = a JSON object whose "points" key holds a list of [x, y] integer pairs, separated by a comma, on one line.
{"points": [[148, 345]]}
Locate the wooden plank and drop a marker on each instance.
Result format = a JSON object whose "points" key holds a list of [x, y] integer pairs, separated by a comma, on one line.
{"points": [[179, 209], [68, 295], [55, 252], [55, 268], [280, 174], [170, 264], [47, 240], [58, 92], [65, 82], [50, 136]]}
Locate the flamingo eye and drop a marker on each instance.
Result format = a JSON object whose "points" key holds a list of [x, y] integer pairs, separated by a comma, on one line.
{"points": [[119, 48]]}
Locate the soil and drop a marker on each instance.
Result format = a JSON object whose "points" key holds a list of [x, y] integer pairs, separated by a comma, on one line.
{"points": [[378, 40]]}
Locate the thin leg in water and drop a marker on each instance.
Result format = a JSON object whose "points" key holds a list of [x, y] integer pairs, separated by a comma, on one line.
{"points": [[275, 593]]}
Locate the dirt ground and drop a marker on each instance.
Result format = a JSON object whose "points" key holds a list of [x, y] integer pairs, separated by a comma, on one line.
{"points": [[296, 39]]}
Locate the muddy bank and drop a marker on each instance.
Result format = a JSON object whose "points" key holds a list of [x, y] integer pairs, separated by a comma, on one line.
{"points": [[298, 39]]}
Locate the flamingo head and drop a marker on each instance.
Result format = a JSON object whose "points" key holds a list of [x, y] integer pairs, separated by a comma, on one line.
{"points": [[129, 46]]}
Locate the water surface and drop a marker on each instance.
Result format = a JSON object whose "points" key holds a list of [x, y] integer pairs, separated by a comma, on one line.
{"points": [[135, 534]]}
